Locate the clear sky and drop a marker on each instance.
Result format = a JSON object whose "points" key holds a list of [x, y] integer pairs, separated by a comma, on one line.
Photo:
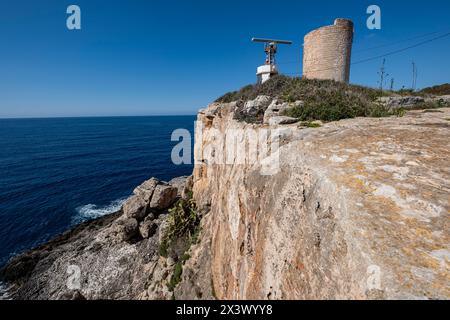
{"points": [[136, 57]]}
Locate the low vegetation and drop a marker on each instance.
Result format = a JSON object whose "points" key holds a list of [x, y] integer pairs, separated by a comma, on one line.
{"points": [[443, 89], [310, 124], [183, 220], [176, 277], [182, 232], [292, 89], [324, 100], [184, 226]]}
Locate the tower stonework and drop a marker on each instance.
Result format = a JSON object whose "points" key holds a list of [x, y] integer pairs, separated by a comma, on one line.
{"points": [[327, 52]]}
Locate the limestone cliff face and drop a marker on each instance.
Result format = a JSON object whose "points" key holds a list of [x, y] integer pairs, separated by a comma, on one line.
{"points": [[357, 209]]}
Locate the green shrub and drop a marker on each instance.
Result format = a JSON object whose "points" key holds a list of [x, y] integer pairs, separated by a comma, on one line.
{"points": [[324, 100], [429, 105], [310, 124], [292, 89], [183, 230], [164, 248], [185, 257], [443, 89], [183, 220], [400, 112], [176, 277]]}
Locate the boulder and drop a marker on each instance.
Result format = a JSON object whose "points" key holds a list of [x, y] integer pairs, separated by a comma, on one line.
{"points": [[184, 186], [278, 108], [130, 229], [254, 107], [135, 207], [397, 102], [163, 197], [442, 99], [145, 190], [281, 120], [180, 184], [148, 228], [188, 187], [71, 296]]}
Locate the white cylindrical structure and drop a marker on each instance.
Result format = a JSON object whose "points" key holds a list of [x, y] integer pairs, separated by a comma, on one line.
{"points": [[263, 73]]}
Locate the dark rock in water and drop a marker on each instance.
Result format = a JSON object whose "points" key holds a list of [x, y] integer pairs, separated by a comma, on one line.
{"points": [[113, 257], [118, 270]]}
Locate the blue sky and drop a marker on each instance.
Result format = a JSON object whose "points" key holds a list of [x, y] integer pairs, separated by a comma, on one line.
{"points": [[136, 57]]}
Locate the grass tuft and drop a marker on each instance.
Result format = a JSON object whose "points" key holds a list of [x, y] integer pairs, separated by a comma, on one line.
{"points": [[176, 277]]}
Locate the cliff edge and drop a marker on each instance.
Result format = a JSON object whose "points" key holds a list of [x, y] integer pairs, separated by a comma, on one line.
{"points": [[354, 209], [357, 209]]}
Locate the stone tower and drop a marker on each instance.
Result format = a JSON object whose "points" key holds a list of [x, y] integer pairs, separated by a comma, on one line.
{"points": [[327, 52]]}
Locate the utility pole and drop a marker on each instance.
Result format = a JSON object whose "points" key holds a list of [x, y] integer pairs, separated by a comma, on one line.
{"points": [[392, 84], [383, 75], [414, 76]]}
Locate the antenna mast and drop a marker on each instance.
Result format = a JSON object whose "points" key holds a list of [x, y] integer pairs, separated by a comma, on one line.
{"points": [[269, 68]]}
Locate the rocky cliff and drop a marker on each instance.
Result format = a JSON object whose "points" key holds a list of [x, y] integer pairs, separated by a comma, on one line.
{"points": [[355, 209]]}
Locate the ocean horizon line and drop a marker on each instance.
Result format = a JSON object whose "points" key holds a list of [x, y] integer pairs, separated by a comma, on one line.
{"points": [[100, 116]]}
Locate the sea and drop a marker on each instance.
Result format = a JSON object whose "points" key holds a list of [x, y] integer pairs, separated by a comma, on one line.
{"points": [[58, 172]]}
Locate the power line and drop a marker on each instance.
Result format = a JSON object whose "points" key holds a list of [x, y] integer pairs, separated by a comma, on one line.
{"points": [[388, 53], [397, 42], [374, 48], [402, 50]]}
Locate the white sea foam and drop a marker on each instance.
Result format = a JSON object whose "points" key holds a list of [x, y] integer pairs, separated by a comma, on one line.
{"points": [[3, 292], [92, 211]]}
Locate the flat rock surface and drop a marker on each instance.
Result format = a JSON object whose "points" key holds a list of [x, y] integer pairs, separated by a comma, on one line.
{"points": [[359, 209]]}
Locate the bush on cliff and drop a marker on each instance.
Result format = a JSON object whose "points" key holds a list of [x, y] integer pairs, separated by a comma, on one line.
{"points": [[443, 89], [182, 232], [324, 100], [183, 220], [292, 89], [183, 228]]}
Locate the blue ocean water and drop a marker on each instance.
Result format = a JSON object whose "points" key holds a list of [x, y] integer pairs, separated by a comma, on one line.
{"points": [[55, 173]]}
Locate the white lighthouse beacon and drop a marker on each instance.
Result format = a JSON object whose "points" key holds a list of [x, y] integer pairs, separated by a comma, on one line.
{"points": [[266, 71]]}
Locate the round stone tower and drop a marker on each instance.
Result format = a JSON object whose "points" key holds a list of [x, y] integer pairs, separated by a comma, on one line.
{"points": [[327, 52]]}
